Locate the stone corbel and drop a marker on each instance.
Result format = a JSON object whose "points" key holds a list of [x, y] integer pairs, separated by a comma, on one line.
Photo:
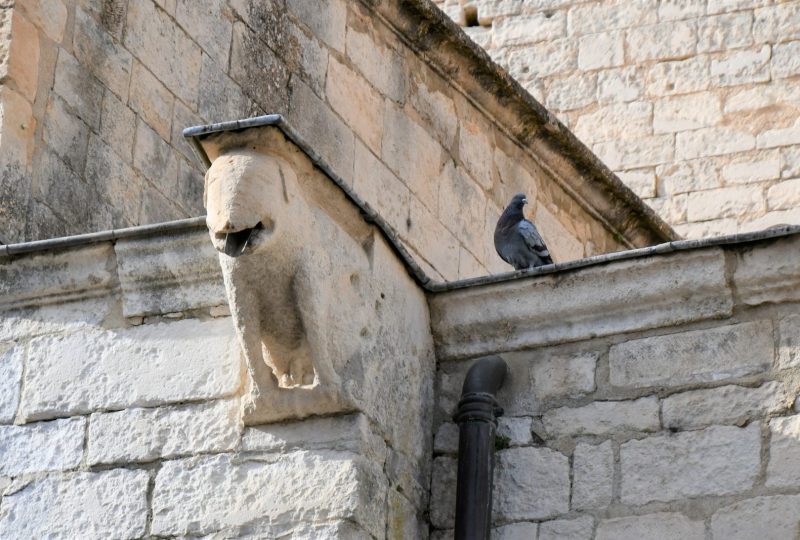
{"points": [[309, 301]]}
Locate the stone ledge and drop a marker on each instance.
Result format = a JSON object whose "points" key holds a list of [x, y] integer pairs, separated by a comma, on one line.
{"points": [[618, 297], [169, 273]]}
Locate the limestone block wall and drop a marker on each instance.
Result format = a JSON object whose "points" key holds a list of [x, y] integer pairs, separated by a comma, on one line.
{"points": [[96, 94], [669, 413], [694, 104], [120, 387]]}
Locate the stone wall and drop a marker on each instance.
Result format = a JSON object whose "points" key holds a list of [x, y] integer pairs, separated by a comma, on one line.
{"points": [[694, 104], [120, 388], [634, 411], [96, 94]]}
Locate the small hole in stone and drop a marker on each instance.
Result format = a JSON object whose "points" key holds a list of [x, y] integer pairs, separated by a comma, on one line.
{"points": [[548, 14], [670, 86], [471, 16], [408, 223]]}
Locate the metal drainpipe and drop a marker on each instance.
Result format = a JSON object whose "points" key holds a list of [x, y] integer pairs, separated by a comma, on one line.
{"points": [[477, 419]]}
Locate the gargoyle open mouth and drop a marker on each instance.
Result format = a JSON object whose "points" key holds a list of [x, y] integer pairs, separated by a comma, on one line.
{"points": [[236, 243]]}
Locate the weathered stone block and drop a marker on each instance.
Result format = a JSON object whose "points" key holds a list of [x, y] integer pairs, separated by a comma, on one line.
{"points": [[661, 526], [753, 168], [108, 504], [741, 67], [679, 76], [601, 50], [492, 319], [725, 202], [168, 273], [724, 460], [712, 141], [411, 153], [443, 496], [382, 190], [148, 434], [784, 452], [380, 64], [209, 23], [767, 273], [602, 417], [531, 28], [779, 136], [430, 97], [142, 366], [302, 486], [530, 483], [766, 518], [670, 10], [786, 59], [19, 57], [117, 123], [666, 40], [642, 182], [352, 97], [327, 19], [784, 196], [49, 15], [581, 528], [723, 405], [65, 133], [615, 122], [11, 362], [640, 151], [572, 92], [476, 142], [562, 243], [18, 126], [115, 181], [100, 54], [592, 18], [516, 430], [696, 356], [40, 447], [431, 239], [42, 278], [446, 439], [221, 98], [682, 113], [619, 85], [516, 531], [557, 376], [592, 475], [543, 59], [789, 344], [151, 100], [350, 433], [777, 22], [461, 206], [149, 32], [155, 159], [321, 128], [790, 162], [723, 32]]}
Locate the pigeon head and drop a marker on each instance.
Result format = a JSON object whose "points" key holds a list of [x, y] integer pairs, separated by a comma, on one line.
{"points": [[518, 201]]}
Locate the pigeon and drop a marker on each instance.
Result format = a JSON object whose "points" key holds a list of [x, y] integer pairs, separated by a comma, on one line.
{"points": [[516, 239]]}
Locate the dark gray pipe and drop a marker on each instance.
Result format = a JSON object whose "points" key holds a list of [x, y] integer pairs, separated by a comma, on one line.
{"points": [[477, 419]]}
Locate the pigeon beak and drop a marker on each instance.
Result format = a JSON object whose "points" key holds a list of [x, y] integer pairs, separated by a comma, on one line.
{"points": [[525, 201]]}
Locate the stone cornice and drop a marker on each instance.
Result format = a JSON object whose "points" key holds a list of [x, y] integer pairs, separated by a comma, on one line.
{"points": [[616, 293]]}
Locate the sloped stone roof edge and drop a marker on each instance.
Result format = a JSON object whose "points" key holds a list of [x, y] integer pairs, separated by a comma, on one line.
{"points": [[433, 35]]}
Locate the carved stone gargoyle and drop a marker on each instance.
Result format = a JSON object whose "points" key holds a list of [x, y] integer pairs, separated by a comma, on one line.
{"points": [[309, 301]]}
